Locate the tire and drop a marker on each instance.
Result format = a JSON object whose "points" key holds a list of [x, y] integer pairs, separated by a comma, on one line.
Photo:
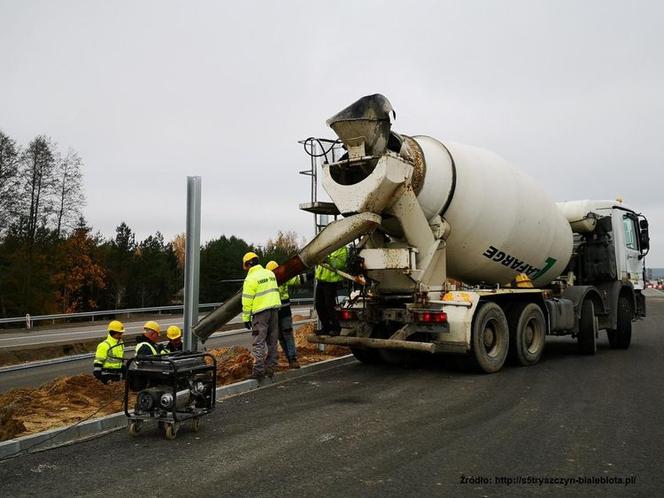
{"points": [[621, 337], [196, 424], [134, 427], [170, 431], [368, 356], [527, 334], [587, 329], [490, 338]]}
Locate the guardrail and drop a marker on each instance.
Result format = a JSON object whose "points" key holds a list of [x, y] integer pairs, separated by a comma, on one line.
{"points": [[28, 320]]}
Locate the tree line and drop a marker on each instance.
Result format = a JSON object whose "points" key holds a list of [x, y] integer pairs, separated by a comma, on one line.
{"points": [[52, 261]]}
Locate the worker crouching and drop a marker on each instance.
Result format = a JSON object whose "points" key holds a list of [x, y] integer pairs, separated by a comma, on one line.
{"points": [[174, 344], [148, 343], [108, 365], [285, 316], [260, 302]]}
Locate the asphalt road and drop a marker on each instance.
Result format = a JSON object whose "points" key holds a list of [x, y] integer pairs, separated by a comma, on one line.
{"points": [[365, 431], [16, 339]]}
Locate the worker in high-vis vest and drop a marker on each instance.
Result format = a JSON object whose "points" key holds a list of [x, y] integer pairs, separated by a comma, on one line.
{"points": [[285, 316], [108, 365], [327, 282], [148, 343], [260, 303]]}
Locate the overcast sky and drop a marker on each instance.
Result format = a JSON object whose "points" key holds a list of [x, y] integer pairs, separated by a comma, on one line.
{"points": [[150, 92]]}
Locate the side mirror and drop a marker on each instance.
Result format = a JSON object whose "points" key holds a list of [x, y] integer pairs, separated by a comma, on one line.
{"points": [[644, 239], [644, 235]]}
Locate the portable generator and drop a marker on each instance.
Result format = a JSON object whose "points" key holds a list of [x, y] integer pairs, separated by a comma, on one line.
{"points": [[170, 389]]}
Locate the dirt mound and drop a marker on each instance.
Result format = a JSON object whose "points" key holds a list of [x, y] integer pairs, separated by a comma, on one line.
{"points": [[10, 425], [67, 400], [233, 364]]}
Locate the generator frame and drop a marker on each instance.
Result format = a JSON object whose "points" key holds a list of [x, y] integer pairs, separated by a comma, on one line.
{"points": [[165, 371]]}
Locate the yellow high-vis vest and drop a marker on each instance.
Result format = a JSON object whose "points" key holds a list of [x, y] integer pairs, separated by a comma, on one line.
{"points": [[259, 292]]}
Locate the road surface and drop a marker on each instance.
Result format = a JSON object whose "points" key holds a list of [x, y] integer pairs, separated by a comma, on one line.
{"points": [[378, 431]]}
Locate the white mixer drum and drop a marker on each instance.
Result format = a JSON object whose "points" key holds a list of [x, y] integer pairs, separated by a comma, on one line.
{"points": [[502, 222]]}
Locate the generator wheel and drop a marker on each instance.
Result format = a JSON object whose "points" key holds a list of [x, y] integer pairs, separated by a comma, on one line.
{"points": [[587, 329], [196, 424], [527, 334], [134, 427], [621, 337], [170, 431], [490, 338]]}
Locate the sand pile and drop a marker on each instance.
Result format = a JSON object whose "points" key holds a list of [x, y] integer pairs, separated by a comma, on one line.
{"points": [[64, 401]]}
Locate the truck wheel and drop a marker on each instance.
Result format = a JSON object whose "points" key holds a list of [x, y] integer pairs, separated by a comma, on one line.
{"points": [[527, 334], [490, 338], [621, 337], [368, 356], [587, 329]]}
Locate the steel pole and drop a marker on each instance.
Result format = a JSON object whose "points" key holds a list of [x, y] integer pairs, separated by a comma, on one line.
{"points": [[192, 262]]}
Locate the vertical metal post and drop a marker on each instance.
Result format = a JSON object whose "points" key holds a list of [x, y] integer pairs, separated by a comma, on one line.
{"points": [[323, 220], [192, 261]]}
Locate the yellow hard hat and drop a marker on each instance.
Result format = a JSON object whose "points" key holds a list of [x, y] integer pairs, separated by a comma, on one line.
{"points": [[173, 332], [152, 325], [115, 326], [248, 257], [271, 265]]}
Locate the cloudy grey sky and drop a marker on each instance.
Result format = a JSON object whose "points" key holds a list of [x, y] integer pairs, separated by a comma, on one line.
{"points": [[149, 92]]}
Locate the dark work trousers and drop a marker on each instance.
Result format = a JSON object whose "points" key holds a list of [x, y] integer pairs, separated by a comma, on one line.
{"points": [[326, 302], [286, 332], [265, 334]]}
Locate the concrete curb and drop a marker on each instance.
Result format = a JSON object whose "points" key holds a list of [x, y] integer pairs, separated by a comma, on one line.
{"points": [[115, 421]]}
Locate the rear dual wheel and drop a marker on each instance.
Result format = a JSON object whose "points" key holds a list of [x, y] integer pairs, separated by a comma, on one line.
{"points": [[490, 338], [527, 333]]}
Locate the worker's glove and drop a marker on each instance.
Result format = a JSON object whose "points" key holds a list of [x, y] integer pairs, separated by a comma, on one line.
{"points": [[247, 325]]}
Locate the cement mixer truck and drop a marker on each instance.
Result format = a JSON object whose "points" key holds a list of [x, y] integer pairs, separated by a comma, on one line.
{"points": [[463, 254]]}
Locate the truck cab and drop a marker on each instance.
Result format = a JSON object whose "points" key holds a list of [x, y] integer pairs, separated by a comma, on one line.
{"points": [[610, 244]]}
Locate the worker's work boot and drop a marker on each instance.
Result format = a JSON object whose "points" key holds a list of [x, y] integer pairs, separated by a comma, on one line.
{"points": [[293, 363], [257, 376], [269, 372]]}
